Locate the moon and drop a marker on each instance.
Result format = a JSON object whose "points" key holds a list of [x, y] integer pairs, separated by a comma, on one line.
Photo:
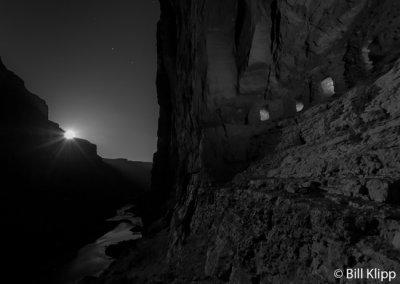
{"points": [[69, 134]]}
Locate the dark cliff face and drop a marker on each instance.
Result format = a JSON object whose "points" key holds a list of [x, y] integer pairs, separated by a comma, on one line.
{"points": [[306, 94], [228, 69], [55, 193], [22, 108]]}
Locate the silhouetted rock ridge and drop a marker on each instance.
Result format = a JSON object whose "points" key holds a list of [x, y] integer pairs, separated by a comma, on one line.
{"points": [[55, 193]]}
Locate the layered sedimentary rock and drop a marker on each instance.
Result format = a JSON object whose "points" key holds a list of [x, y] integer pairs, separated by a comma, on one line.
{"points": [[228, 68], [327, 197], [259, 193]]}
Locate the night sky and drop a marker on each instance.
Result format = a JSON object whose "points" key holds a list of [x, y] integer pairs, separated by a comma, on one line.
{"points": [[94, 62]]}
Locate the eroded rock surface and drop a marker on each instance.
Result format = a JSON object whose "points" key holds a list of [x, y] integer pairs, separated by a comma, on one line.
{"points": [[325, 198], [287, 199], [229, 68]]}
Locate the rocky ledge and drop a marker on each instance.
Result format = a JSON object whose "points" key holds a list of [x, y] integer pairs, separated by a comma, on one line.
{"points": [[324, 197]]}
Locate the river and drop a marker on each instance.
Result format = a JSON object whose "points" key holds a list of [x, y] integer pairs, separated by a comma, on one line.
{"points": [[91, 259]]}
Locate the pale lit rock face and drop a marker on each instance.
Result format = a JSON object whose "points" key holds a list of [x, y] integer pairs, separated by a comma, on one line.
{"points": [[328, 87], [264, 114], [365, 51], [299, 106]]}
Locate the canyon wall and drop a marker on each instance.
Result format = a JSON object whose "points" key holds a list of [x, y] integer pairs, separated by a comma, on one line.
{"points": [[278, 144], [55, 193], [228, 69]]}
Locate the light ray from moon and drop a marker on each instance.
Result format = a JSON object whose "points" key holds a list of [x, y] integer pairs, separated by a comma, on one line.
{"points": [[69, 134]]}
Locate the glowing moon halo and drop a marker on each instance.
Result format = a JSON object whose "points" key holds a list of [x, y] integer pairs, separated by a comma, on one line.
{"points": [[69, 134]]}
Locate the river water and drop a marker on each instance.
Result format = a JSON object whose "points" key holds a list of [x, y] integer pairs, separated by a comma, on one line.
{"points": [[92, 259]]}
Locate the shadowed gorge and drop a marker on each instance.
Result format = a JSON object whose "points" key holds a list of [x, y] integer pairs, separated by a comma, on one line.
{"points": [[55, 192]]}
